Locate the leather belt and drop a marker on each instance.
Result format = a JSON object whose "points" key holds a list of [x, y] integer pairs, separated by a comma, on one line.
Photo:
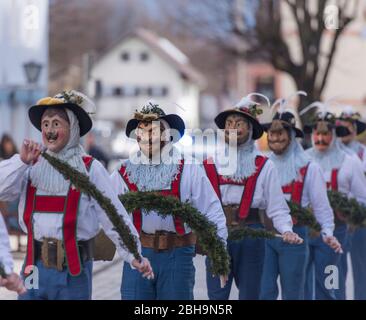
{"points": [[52, 254], [233, 219], [163, 240]]}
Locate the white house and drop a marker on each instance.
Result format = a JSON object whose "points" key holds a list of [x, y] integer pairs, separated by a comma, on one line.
{"points": [[142, 67]]}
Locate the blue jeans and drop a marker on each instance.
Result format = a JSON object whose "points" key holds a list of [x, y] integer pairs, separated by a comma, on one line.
{"points": [[321, 256], [174, 276], [247, 257], [358, 258], [60, 285], [287, 261], [343, 268]]}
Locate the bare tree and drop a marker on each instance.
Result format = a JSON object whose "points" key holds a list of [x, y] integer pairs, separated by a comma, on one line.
{"points": [[255, 29]]}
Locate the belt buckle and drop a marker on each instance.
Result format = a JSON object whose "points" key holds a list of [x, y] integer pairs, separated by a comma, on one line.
{"points": [[233, 214], [60, 256], [45, 256], [157, 241]]}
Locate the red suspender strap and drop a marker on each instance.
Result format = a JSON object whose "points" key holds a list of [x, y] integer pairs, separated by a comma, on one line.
{"points": [[212, 175], [299, 186], [296, 188], [175, 191], [249, 188], [27, 217], [88, 160], [70, 226], [69, 232], [361, 153], [68, 206], [334, 180], [136, 215], [49, 204]]}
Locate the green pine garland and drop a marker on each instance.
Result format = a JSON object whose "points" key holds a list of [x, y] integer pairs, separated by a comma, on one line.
{"points": [[205, 230], [353, 211], [83, 183], [2, 271], [304, 216], [237, 234]]}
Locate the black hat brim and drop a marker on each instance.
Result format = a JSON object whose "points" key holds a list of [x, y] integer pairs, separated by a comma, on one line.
{"points": [[85, 123], [298, 132], [361, 127], [341, 131], [257, 128], [174, 121]]}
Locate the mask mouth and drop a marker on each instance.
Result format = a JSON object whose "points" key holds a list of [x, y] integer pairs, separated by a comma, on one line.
{"points": [[322, 143], [277, 141], [51, 137]]}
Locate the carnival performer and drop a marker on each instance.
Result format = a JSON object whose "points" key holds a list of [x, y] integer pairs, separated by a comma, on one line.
{"points": [[168, 242], [246, 190], [302, 183], [60, 221], [342, 173]]}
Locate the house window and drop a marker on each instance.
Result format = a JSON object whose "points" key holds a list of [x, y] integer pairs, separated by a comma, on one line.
{"points": [[98, 89], [125, 56], [149, 91], [137, 91], [144, 56], [164, 91], [117, 91]]}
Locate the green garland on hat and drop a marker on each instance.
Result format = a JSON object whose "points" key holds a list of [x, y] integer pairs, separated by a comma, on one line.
{"points": [[83, 183], [205, 230], [353, 212]]}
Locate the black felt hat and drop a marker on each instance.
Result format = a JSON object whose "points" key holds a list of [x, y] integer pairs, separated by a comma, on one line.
{"points": [[72, 100], [152, 112]]}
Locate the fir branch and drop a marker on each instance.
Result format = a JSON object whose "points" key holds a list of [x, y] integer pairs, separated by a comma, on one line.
{"points": [[2, 271], [350, 208], [238, 234], [205, 230], [83, 183], [304, 216]]}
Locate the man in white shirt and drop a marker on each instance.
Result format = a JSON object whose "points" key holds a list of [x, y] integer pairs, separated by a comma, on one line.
{"points": [[9, 279], [168, 242], [303, 183], [342, 173], [356, 243], [253, 187], [59, 220]]}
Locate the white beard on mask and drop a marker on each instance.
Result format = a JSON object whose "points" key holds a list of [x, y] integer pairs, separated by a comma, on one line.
{"points": [[45, 177], [330, 159], [290, 162], [246, 155], [154, 175]]}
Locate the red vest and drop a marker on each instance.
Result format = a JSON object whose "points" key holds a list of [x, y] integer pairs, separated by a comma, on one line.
{"points": [[296, 187], [249, 183], [333, 184], [174, 191], [65, 205]]}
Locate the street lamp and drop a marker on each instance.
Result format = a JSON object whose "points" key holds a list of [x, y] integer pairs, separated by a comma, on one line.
{"points": [[32, 71]]}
